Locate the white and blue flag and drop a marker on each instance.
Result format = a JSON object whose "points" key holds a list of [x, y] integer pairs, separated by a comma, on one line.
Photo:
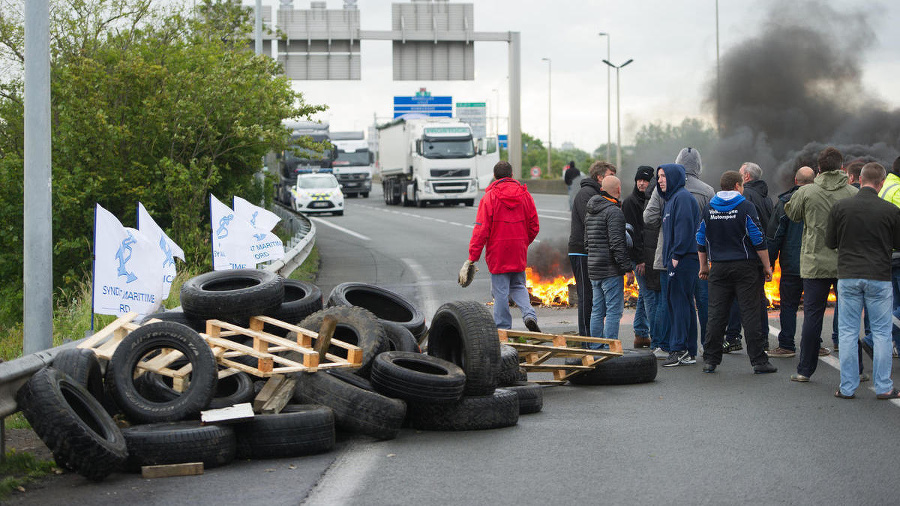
{"points": [[237, 244], [167, 247], [258, 217], [128, 275]]}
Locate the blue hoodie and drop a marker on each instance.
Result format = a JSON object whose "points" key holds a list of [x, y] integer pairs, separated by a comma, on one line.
{"points": [[681, 215], [730, 230]]}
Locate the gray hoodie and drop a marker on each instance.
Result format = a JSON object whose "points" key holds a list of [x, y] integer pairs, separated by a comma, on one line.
{"points": [[693, 167]]}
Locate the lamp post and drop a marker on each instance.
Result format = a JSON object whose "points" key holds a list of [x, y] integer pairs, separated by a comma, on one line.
{"points": [[608, 99], [549, 112], [618, 112], [497, 116]]}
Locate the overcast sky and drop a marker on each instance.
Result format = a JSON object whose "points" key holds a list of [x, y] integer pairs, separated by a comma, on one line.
{"points": [[672, 42]]}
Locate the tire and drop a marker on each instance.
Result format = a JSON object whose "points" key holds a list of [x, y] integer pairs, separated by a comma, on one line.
{"points": [[72, 423], [354, 326], [500, 409], [178, 316], [355, 409], [387, 305], [178, 443], [82, 366], [298, 430], [530, 395], [634, 366], [417, 378], [301, 299], [469, 202], [233, 295], [338, 213], [509, 366], [463, 332], [145, 340], [231, 390], [400, 338], [365, 195]]}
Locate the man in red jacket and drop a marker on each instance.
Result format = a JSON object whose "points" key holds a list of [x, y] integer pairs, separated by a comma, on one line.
{"points": [[505, 225]]}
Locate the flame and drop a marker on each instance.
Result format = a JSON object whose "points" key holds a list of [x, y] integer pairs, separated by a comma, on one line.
{"points": [[555, 292], [773, 294]]}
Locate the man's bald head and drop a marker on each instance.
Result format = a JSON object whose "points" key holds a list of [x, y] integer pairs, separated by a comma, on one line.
{"points": [[804, 175], [612, 186]]}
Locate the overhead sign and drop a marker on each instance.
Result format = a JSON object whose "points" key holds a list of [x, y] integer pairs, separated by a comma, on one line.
{"points": [[475, 114], [424, 103]]}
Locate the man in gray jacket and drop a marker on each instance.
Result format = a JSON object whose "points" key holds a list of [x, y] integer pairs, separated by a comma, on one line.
{"points": [[703, 193]]}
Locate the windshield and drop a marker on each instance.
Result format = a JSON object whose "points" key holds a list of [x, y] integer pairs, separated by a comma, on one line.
{"points": [[353, 158], [448, 148], [302, 154], [317, 182]]}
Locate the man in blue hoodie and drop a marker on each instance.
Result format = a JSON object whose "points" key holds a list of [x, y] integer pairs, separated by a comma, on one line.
{"points": [[680, 217], [732, 239]]}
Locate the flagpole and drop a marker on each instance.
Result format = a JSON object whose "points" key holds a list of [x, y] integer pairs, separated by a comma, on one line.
{"points": [[94, 268]]}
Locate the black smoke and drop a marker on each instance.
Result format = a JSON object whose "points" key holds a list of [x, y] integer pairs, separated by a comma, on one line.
{"points": [[796, 87], [550, 258]]}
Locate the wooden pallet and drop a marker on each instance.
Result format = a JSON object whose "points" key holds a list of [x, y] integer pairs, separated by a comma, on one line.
{"points": [[536, 351], [265, 346]]}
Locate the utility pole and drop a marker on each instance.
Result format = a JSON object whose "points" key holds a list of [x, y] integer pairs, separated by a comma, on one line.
{"points": [[608, 99], [549, 112], [718, 78], [618, 112]]}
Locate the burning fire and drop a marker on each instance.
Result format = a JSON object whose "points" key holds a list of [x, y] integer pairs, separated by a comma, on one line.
{"points": [[774, 294], [555, 292]]}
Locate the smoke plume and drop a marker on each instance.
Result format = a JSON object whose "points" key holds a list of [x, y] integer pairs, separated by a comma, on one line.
{"points": [[797, 87], [550, 258]]}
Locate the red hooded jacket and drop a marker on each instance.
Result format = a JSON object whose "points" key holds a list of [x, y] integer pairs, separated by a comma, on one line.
{"points": [[506, 223]]}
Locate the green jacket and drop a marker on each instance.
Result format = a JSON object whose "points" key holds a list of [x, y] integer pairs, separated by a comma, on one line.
{"points": [[812, 204], [891, 189]]}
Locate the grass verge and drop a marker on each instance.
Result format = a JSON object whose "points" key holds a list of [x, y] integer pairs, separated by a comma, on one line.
{"points": [[309, 269], [19, 469]]}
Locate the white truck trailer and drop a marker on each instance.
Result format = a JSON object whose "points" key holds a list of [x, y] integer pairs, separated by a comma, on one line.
{"points": [[423, 159], [354, 163]]}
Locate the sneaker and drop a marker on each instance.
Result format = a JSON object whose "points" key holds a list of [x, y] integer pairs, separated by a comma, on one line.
{"points": [[780, 352], [836, 347], [709, 368], [689, 360], [675, 358], [824, 351], [641, 342], [531, 324], [895, 352], [730, 346], [660, 353], [764, 368]]}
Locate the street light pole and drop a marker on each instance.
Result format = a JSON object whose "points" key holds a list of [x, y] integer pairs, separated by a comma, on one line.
{"points": [[608, 99], [497, 116], [718, 78], [549, 112], [618, 112]]}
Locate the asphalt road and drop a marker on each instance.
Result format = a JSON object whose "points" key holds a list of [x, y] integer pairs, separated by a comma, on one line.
{"points": [[726, 438]]}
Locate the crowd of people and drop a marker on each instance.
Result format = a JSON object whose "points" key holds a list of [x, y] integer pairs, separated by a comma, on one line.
{"points": [[701, 258]]}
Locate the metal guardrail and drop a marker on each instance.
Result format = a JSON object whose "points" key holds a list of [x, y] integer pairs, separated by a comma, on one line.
{"points": [[15, 373]]}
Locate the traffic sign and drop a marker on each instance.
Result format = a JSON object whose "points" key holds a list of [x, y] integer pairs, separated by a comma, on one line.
{"points": [[474, 114], [535, 172], [423, 103], [503, 141]]}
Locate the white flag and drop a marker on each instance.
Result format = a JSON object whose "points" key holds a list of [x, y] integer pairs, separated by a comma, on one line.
{"points": [[258, 217], [167, 247], [232, 238], [266, 246], [127, 268]]}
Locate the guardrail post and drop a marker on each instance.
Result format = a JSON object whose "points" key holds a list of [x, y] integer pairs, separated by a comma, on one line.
{"points": [[2, 440]]}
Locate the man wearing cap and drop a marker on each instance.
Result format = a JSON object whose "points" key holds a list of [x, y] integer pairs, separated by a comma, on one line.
{"points": [[633, 207]]}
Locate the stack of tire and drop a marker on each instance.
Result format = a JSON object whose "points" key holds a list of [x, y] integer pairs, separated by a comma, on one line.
{"points": [[71, 405], [452, 387]]}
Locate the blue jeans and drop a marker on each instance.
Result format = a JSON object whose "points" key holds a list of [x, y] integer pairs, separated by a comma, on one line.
{"points": [[506, 286], [642, 310], [878, 299], [608, 305], [659, 334]]}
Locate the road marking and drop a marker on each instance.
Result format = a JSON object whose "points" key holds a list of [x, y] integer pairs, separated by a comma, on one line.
{"points": [[424, 284], [341, 482], [342, 229], [835, 363], [555, 211], [553, 217], [428, 218]]}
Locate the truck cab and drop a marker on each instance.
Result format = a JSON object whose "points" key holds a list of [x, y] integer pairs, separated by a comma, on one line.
{"points": [[298, 160], [353, 164]]}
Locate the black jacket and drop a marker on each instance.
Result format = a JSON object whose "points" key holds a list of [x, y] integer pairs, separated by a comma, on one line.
{"points": [[757, 192], [571, 174], [604, 238], [633, 208], [864, 229], [589, 188], [784, 237]]}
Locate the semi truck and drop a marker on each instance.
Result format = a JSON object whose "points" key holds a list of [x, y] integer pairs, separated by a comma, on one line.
{"points": [[300, 160], [353, 163], [427, 159]]}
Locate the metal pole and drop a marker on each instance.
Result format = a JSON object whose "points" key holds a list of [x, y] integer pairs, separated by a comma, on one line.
{"points": [[549, 112], [497, 117], [618, 122], [718, 78], [515, 113], [259, 45], [608, 101], [38, 245]]}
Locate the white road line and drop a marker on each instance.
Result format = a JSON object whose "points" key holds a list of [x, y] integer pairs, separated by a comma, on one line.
{"points": [[431, 218], [342, 480], [424, 283], [835, 363], [554, 211], [342, 229], [553, 217]]}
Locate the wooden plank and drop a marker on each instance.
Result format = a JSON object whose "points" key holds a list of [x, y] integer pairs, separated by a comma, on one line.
{"points": [[501, 333], [326, 332], [250, 351], [265, 337], [281, 397], [107, 331], [169, 470], [230, 414], [267, 392], [553, 367]]}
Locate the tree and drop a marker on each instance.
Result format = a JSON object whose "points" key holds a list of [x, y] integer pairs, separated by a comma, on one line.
{"points": [[657, 143], [161, 108]]}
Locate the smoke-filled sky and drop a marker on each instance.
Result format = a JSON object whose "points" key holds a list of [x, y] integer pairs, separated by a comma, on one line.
{"points": [[846, 52]]}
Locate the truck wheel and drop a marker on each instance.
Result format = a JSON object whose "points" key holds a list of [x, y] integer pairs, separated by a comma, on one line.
{"points": [[339, 213], [365, 195], [470, 202]]}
